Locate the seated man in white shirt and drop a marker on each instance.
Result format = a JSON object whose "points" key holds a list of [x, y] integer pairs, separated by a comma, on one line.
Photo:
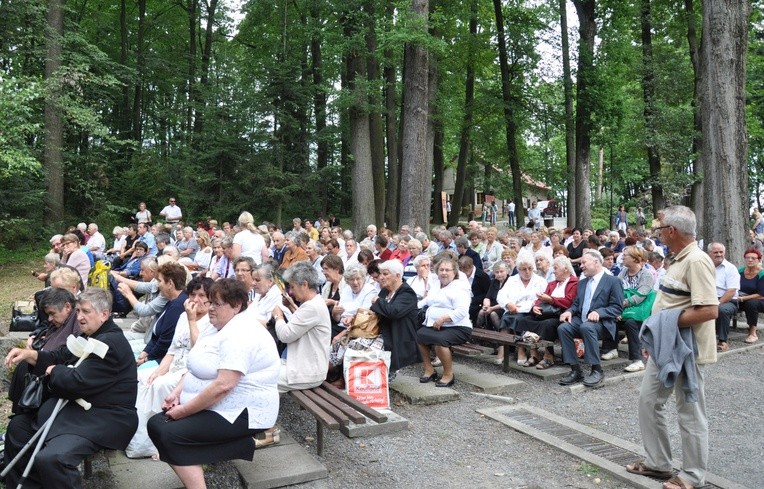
{"points": [[727, 286], [96, 242]]}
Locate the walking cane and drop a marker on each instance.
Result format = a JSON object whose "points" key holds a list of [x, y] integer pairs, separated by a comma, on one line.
{"points": [[81, 348]]}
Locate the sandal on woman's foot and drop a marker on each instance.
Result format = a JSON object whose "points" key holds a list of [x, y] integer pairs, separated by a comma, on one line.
{"points": [[676, 482], [521, 361], [752, 338], [545, 364], [640, 468], [267, 438], [531, 362], [722, 347]]}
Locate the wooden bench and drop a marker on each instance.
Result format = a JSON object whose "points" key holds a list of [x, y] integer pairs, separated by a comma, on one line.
{"points": [[506, 340], [333, 408]]}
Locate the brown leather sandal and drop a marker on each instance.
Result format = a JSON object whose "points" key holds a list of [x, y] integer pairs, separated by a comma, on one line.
{"points": [[677, 482], [640, 468]]}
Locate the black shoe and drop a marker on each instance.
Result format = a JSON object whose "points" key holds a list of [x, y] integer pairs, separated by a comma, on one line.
{"points": [[594, 378], [424, 379], [574, 377], [445, 384]]}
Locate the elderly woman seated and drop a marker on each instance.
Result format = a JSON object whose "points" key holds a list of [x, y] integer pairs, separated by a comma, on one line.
{"points": [[545, 314], [517, 297], [425, 279], [447, 322], [489, 317], [333, 269], [154, 384], [267, 293], [357, 294], [228, 394], [397, 309]]}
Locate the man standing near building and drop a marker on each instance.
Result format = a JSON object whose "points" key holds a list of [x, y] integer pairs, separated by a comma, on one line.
{"points": [[511, 212], [534, 216], [689, 286]]}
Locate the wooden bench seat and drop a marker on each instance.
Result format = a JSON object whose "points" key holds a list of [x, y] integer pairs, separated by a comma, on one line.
{"points": [[506, 339], [333, 408]]}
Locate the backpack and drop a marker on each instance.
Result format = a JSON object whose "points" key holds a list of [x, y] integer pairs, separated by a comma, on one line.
{"points": [[99, 275]]}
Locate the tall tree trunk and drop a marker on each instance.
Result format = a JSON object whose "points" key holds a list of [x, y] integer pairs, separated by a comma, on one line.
{"points": [[648, 98], [570, 128], [509, 115], [725, 143], [415, 178], [587, 29], [53, 159], [435, 130], [600, 172], [191, 80], [362, 182], [696, 191], [319, 102], [201, 94], [391, 130], [376, 130], [140, 69], [466, 129], [124, 109]]}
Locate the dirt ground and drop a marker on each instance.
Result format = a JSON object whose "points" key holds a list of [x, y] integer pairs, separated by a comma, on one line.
{"points": [[17, 282]]}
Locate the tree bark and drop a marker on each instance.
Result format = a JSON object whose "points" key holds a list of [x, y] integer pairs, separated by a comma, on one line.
{"points": [[570, 129], [649, 113], [140, 69], [725, 144], [200, 104], [391, 129], [376, 130], [509, 115], [191, 81], [53, 158], [696, 191], [466, 129], [587, 31], [415, 178], [319, 103]]}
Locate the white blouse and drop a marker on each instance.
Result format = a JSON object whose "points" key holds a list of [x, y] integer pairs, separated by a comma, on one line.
{"points": [[454, 300], [520, 295], [351, 302]]}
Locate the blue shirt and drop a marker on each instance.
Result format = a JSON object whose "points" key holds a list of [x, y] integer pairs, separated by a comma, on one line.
{"points": [[151, 242]]}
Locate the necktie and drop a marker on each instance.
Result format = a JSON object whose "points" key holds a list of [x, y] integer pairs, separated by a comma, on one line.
{"points": [[587, 299]]}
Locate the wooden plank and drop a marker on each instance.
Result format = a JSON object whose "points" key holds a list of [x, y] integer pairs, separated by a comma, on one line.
{"points": [[351, 413], [467, 349], [316, 411], [357, 405], [330, 409]]}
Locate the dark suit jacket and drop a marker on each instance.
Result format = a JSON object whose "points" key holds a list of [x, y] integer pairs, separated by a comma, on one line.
{"points": [[480, 285], [398, 325], [109, 384], [475, 258], [164, 328], [607, 301]]}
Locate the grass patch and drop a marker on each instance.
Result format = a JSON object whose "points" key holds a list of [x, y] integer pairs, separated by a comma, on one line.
{"points": [[588, 469], [16, 278]]}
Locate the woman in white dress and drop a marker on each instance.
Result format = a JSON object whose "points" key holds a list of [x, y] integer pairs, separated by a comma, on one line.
{"points": [[249, 242]]}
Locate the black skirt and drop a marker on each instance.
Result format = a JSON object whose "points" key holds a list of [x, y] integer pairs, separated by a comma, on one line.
{"points": [[450, 336], [545, 328], [202, 438]]}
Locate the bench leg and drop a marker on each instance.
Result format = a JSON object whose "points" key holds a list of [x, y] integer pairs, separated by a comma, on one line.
{"points": [[88, 467], [319, 438], [506, 359]]}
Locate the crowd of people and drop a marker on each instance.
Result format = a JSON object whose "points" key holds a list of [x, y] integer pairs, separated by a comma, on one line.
{"points": [[227, 318]]}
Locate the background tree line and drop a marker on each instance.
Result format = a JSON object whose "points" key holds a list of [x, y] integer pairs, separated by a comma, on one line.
{"points": [[356, 107]]}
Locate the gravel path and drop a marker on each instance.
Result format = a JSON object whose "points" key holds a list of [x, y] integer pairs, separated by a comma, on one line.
{"points": [[451, 445]]}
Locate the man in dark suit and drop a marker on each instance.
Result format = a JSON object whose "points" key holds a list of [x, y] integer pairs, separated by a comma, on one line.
{"points": [[480, 282], [108, 383], [463, 249], [592, 316]]}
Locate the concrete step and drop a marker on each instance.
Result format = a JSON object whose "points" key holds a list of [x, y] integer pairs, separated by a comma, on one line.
{"points": [[417, 393]]}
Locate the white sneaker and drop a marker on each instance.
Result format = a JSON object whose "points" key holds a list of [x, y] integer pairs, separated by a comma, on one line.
{"points": [[635, 367], [612, 354], [436, 362]]}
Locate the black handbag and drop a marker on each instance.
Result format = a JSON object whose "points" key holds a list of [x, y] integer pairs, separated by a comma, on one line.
{"points": [[23, 316], [32, 396], [548, 311]]}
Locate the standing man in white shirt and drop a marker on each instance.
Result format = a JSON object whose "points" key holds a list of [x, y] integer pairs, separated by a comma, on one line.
{"points": [[511, 212], [171, 212]]}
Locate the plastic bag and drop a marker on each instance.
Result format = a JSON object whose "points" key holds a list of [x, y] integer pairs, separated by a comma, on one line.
{"points": [[366, 377]]}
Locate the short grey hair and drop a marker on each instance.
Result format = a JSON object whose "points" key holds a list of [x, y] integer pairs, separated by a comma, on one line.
{"points": [[421, 237], [265, 271], [171, 251], [680, 218], [393, 266], [353, 270], [564, 262], [714, 243], [302, 271], [462, 242], [594, 254], [500, 264], [99, 298], [415, 243], [420, 258], [53, 258]]}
